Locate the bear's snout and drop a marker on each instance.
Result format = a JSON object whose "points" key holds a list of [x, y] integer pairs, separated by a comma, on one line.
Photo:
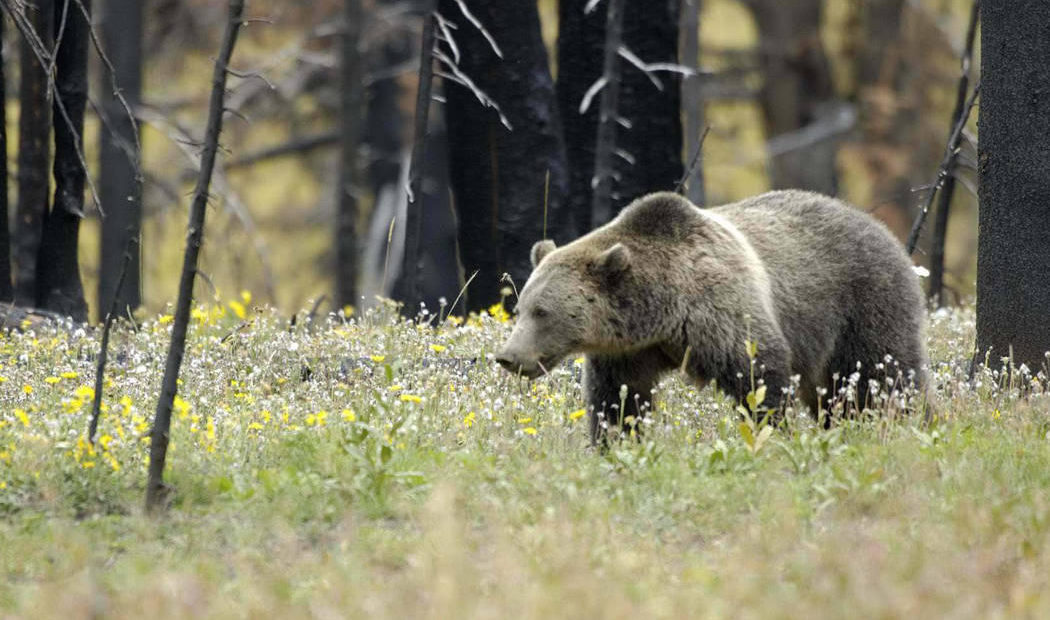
{"points": [[517, 365]]}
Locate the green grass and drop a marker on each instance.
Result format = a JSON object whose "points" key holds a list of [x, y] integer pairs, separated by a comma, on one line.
{"points": [[400, 480]]}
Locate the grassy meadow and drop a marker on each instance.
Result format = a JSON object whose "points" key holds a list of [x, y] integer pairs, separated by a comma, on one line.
{"points": [[371, 467]]}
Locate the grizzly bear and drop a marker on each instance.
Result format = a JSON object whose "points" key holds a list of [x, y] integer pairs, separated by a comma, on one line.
{"points": [[824, 290]]}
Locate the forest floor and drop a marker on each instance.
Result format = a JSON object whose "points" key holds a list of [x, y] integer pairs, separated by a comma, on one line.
{"points": [[376, 468]]}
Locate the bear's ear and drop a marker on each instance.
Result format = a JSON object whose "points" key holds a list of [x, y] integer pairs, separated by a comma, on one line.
{"points": [[540, 250], [615, 260]]}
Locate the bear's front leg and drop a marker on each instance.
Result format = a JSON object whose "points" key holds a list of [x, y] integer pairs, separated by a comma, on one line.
{"points": [[603, 378]]}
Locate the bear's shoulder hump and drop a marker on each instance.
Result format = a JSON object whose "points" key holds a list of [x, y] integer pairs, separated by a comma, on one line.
{"points": [[663, 214]]}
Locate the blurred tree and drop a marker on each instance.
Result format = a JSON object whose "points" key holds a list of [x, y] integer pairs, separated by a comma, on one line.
{"points": [[351, 113], [120, 180], [500, 159], [59, 288], [649, 139], [7, 293], [797, 92], [34, 151], [1013, 292]]}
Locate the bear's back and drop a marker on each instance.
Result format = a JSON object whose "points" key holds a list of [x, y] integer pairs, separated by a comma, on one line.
{"points": [[831, 267]]}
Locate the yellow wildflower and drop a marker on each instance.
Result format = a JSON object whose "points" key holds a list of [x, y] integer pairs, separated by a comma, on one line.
{"points": [[22, 417], [411, 398], [165, 319], [238, 309], [69, 374], [437, 348], [576, 415], [349, 415], [468, 420], [529, 430], [246, 297], [28, 389], [378, 358], [51, 380]]}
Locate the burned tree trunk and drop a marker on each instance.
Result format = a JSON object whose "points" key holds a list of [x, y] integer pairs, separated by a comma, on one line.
{"points": [[1013, 292], [411, 270], [500, 158], [649, 138], [351, 115], [692, 97], [120, 182], [797, 92], [59, 288], [7, 293], [34, 153]]}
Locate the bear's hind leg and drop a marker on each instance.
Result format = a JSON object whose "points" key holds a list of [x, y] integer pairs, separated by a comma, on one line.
{"points": [[609, 407]]}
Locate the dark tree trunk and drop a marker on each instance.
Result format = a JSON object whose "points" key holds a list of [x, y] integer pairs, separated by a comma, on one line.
{"points": [[1013, 291], [59, 288], [7, 292], [414, 211], [652, 139], [351, 115], [384, 130], [692, 96], [797, 90], [498, 174], [608, 115], [34, 155], [120, 182]]}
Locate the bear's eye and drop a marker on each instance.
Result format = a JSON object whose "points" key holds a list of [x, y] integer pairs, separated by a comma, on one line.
{"points": [[540, 313]]}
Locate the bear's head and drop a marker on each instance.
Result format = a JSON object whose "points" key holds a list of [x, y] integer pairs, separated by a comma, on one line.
{"points": [[565, 306]]}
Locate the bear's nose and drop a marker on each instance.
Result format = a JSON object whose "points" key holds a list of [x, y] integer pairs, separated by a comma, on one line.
{"points": [[507, 361]]}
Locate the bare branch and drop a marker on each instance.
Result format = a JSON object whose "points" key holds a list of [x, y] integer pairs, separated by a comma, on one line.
{"points": [[477, 24]]}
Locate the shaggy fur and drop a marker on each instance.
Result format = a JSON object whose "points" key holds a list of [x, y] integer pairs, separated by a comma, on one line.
{"points": [[818, 285]]}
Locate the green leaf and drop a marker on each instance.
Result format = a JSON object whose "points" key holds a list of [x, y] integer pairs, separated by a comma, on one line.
{"points": [[760, 395], [385, 454], [746, 434]]}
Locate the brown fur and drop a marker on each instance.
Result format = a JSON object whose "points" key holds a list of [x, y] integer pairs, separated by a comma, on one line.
{"points": [[820, 286]]}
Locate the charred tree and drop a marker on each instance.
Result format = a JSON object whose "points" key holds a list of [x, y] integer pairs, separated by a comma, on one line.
{"points": [[157, 493], [120, 180], [608, 115], [500, 155], [692, 97], [649, 137], [7, 292], [59, 288], [351, 113], [384, 130], [34, 151], [1013, 292], [797, 91], [414, 210]]}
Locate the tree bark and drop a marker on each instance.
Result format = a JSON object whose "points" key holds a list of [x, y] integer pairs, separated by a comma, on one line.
{"points": [[608, 115], [652, 139], [1013, 292], [498, 174], [7, 292], [34, 154], [351, 114], [797, 90], [157, 493], [414, 212], [692, 96], [59, 288], [120, 181]]}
